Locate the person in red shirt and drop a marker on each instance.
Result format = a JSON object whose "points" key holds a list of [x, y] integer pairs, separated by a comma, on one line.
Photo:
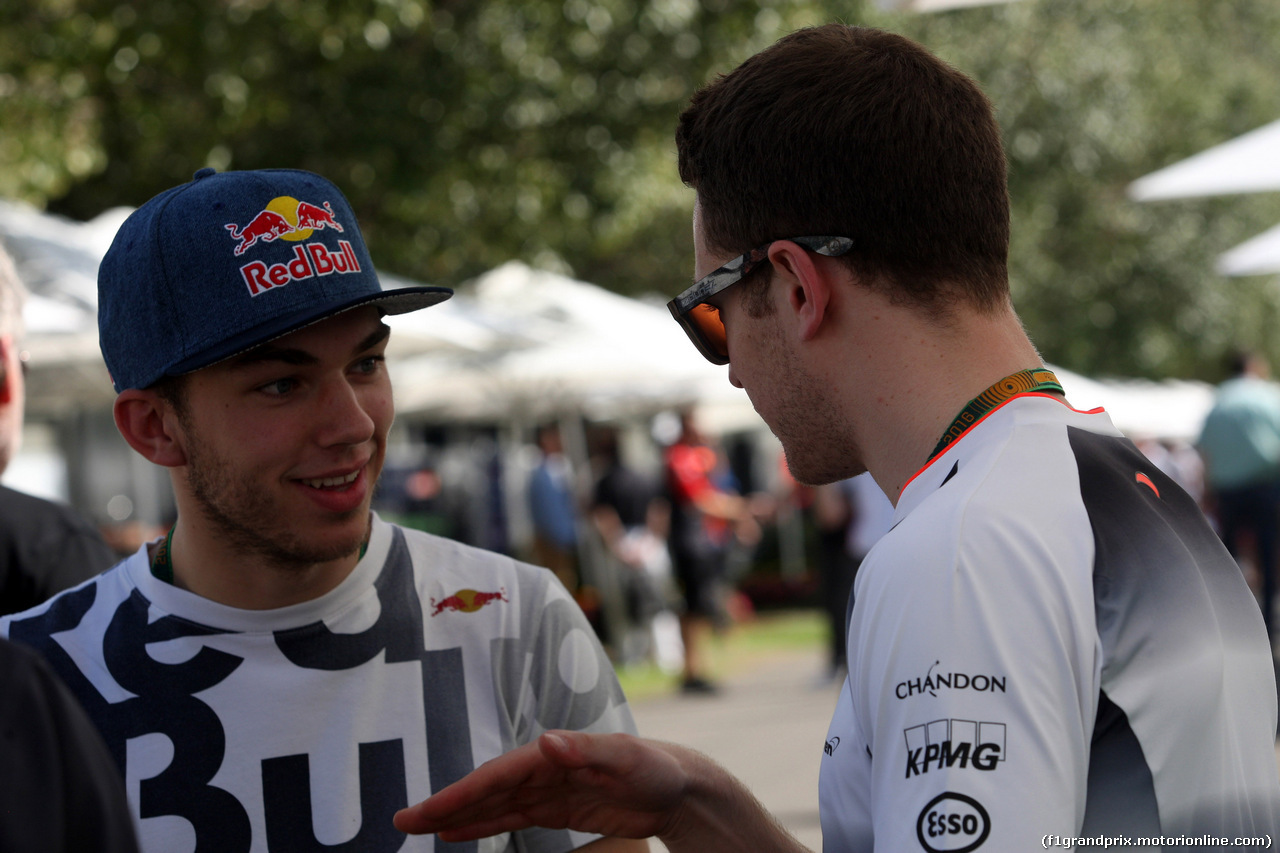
{"points": [[704, 520]]}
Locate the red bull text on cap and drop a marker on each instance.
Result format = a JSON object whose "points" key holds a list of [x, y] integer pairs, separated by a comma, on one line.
{"points": [[222, 264]]}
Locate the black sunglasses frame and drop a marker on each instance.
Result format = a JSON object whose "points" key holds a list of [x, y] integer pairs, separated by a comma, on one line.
{"points": [[736, 270]]}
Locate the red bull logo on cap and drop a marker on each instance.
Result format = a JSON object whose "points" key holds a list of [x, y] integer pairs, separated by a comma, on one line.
{"points": [[286, 218], [467, 601]]}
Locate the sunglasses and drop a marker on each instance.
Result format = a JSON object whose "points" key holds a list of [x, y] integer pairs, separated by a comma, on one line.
{"points": [[702, 322]]}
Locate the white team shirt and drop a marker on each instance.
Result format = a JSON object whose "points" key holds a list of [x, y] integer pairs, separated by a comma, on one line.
{"points": [[307, 727], [1050, 641]]}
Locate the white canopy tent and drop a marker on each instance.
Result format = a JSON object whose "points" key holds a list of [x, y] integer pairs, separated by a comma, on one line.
{"points": [[57, 259], [569, 345], [1259, 255], [516, 341], [1246, 164], [1141, 408]]}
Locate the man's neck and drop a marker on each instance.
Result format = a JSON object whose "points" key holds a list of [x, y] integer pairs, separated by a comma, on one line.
{"points": [[919, 376], [207, 564]]}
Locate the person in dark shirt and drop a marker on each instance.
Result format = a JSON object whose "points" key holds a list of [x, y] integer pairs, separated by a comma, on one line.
{"points": [[59, 788], [44, 547]]}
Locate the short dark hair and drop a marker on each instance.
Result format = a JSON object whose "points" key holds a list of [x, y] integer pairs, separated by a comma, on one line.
{"points": [[856, 132], [173, 390]]}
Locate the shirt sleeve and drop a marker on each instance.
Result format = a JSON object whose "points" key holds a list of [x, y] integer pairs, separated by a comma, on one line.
{"points": [[973, 665]]}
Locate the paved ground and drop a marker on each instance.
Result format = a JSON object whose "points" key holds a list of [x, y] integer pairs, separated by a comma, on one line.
{"points": [[767, 727]]}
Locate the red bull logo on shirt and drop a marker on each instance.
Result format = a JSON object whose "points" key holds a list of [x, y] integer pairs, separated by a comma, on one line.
{"points": [[286, 218], [467, 601]]}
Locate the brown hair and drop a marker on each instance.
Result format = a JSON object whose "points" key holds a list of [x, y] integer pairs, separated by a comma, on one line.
{"points": [[856, 132]]}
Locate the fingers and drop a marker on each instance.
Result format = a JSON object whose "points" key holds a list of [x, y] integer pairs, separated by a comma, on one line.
{"points": [[614, 784], [481, 790]]}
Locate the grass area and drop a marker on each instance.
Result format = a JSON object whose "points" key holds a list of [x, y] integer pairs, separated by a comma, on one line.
{"points": [[743, 645]]}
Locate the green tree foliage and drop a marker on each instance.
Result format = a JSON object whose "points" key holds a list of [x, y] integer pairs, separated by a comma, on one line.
{"points": [[467, 133], [1091, 95]]}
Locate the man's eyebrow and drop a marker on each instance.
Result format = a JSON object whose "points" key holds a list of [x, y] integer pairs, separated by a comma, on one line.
{"points": [[300, 357], [377, 336]]}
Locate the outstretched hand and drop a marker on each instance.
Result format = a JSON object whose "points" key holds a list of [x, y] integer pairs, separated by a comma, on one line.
{"points": [[611, 784]]}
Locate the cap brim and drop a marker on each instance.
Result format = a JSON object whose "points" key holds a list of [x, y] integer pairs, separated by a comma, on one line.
{"points": [[402, 300]]}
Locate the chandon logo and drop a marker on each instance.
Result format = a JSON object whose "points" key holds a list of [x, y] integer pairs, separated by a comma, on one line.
{"points": [[935, 681], [954, 743]]}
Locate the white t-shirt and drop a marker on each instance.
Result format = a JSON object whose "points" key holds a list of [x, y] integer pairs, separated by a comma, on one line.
{"points": [[307, 727], [1049, 642]]}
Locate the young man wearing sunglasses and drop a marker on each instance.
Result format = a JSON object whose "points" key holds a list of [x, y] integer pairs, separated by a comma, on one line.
{"points": [[285, 670], [1050, 643]]}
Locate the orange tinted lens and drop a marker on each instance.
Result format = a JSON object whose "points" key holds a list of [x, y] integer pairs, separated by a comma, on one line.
{"points": [[707, 320]]}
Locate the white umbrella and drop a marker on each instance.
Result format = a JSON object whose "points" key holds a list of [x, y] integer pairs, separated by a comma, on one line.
{"points": [[1246, 164]]}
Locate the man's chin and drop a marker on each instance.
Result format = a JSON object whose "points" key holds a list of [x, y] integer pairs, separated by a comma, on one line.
{"points": [[823, 475]]}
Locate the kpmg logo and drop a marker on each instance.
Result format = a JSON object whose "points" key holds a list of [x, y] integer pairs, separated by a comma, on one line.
{"points": [[286, 218], [955, 743], [932, 682]]}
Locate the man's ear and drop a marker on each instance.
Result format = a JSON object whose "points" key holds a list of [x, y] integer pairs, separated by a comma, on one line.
{"points": [[809, 285], [150, 426]]}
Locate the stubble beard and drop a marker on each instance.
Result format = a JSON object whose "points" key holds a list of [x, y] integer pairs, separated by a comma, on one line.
{"points": [[242, 515], [819, 443]]}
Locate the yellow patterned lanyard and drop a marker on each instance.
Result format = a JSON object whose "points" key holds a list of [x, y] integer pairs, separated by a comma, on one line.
{"points": [[1023, 382]]}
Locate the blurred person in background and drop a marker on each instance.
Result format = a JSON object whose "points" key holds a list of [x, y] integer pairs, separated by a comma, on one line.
{"points": [[60, 792], [553, 505], [704, 521], [1240, 446], [45, 547], [633, 520], [851, 515]]}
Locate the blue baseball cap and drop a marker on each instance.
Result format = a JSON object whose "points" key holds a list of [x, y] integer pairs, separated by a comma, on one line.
{"points": [[229, 261]]}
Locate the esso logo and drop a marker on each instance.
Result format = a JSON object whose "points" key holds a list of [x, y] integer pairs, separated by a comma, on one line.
{"points": [[952, 823]]}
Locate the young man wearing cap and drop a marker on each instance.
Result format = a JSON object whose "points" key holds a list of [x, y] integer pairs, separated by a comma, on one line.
{"points": [[285, 670], [1050, 643]]}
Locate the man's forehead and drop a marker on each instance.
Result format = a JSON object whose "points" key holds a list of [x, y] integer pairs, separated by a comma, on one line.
{"points": [[359, 329]]}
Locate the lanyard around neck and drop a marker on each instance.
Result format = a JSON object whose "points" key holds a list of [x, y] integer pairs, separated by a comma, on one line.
{"points": [[1022, 382], [162, 559]]}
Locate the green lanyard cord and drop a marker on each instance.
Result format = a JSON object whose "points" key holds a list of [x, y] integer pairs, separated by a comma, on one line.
{"points": [[162, 560], [1022, 382]]}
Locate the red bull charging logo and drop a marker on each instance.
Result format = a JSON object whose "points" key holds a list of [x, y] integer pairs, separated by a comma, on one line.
{"points": [[286, 218], [467, 601]]}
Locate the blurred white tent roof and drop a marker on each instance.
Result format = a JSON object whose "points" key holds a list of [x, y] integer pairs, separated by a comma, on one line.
{"points": [[57, 259], [1257, 256], [570, 346], [1143, 408], [1246, 164], [516, 343]]}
